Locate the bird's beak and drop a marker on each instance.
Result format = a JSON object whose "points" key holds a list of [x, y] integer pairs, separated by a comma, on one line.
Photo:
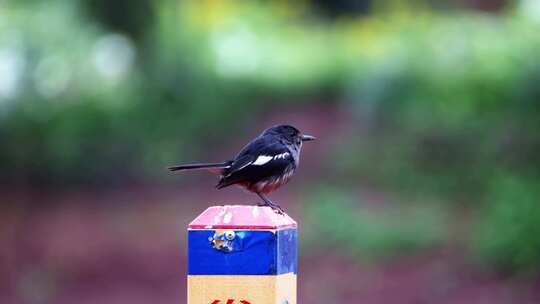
{"points": [[305, 137]]}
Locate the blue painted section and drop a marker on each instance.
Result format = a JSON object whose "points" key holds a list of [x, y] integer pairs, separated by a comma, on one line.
{"points": [[287, 260], [250, 252]]}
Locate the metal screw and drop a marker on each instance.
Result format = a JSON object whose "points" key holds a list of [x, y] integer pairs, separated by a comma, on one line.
{"points": [[229, 235]]}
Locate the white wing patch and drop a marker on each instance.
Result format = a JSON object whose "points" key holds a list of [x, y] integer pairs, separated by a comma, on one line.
{"points": [[261, 160], [282, 155]]}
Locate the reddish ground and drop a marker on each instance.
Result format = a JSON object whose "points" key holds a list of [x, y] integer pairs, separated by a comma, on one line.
{"points": [[127, 247]]}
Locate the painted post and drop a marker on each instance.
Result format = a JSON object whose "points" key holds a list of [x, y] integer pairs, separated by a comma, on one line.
{"points": [[242, 255]]}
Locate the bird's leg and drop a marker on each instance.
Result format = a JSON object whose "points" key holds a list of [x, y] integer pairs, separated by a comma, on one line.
{"points": [[268, 202]]}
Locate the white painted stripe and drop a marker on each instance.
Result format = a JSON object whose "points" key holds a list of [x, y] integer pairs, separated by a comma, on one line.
{"points": [[261, 160], [227, 218], [255, 211]]}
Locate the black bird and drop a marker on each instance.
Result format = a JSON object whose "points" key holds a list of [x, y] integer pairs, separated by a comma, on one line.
{"points": [[263, 165]]}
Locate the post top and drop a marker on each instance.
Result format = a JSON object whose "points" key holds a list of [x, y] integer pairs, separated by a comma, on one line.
{"points": [[241, 217]]}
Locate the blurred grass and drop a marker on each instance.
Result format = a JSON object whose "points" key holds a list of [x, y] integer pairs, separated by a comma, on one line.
{"points": [[336, 220]]}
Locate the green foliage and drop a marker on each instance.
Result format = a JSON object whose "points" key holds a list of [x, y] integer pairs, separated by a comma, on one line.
{"points": [[508, 233], [445, 81], [462, 104]]}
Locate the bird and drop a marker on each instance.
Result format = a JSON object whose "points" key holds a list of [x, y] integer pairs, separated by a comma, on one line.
{"points": [[262, 166]]}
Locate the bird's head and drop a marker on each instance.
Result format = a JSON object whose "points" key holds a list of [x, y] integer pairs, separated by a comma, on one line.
{"points": [[289, 133]]}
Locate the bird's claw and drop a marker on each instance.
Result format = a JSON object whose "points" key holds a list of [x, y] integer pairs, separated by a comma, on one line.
{"points": [[278, 210], [275, 207]]}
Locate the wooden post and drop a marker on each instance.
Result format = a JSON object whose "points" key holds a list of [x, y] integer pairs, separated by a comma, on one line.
{"points": [[242, 255]]}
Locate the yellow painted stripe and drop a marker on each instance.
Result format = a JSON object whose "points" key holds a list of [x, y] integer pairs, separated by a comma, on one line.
{"points": [[207, 289]]}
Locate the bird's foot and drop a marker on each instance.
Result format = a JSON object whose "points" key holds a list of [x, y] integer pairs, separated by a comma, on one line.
{"points": [[275, 207]]}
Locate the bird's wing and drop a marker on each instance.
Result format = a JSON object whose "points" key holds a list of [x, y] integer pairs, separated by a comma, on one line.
{"points": [[260, 159], [240, 163]]}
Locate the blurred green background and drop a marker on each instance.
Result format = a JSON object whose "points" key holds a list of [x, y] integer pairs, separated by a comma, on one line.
{"points": [[422, 188]]}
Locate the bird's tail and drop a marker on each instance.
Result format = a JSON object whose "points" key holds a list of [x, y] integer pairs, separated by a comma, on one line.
{"points": [[212, 167]]}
